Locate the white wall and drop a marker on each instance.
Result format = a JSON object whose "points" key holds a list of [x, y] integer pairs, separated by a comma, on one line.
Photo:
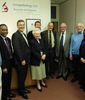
{"points": [[73, 12], [80, 11], [67, 14], [41, 7]]}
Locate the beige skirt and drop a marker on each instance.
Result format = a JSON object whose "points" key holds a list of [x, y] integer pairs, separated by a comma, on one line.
{"points": [[38, 72]]}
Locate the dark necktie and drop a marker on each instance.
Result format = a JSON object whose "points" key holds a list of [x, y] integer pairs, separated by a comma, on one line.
{"points": [[8, 45], [61, 41], [50, 42], [61, 45]]}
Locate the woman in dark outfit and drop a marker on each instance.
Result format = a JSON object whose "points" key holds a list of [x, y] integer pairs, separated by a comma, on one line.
{"points": [[37, 59]]}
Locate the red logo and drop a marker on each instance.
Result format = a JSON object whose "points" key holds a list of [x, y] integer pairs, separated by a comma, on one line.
{"points": [[4, 7]]}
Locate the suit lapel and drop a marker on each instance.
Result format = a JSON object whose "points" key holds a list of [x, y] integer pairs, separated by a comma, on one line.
{"points": [[37, 44], [66, 39], [22, 38], [59, 34]]}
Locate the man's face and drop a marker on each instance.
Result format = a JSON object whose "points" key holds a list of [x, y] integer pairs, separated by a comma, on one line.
{"points": [[21, 26], [4, 31], [38, 25], [50, 27], [63, 27], [79, 28]]}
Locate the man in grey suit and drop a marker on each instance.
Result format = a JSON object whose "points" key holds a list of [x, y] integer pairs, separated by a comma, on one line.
{"points": [[63, 42]]}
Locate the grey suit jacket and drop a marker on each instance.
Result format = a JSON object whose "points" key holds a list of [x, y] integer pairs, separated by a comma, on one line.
{"points": [[66, 45]]}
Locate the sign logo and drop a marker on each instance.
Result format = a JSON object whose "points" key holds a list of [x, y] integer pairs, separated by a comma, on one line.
{"points": [[4, 7]]}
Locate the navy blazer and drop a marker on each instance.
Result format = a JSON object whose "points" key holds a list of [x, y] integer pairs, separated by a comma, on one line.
{"points": [[30, 36], [36, 49], [21, 49], [44, 36], [5, 53]]}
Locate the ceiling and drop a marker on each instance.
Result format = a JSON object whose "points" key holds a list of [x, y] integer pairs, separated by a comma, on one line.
{"points": [[57, 1]]}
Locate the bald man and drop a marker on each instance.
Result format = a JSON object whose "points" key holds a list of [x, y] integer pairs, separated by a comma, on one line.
{"points": [[63, 40], [76, 40], [49, 39]]}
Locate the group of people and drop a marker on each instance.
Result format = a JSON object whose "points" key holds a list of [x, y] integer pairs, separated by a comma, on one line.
{"points": [[48, 53]]}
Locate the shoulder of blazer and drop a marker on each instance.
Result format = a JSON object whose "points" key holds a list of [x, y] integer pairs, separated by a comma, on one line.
{"points": [[33, 41], [44, 32], [17, 34], [29, 33], [1, 40], [68, 34], [55, 33], [58, 34]]}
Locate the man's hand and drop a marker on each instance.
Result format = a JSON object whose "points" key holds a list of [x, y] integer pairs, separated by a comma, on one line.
{"points": [[23, 63], [82, 60], [5, 70], [71, 58], [43, 57]]}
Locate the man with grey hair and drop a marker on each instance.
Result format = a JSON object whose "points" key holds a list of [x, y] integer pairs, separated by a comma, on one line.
{"points": [[76, 40], [49, 39], [63, 41]]}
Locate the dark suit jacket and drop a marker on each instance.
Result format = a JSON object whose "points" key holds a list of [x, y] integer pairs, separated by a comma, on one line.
{"points": [[44, 36], [30, 36], [82, 49], [5, 53], [21, 49], [36, 48]]}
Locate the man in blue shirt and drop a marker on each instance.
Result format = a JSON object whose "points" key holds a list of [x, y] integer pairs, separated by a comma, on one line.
{"points": [[76, 40]]}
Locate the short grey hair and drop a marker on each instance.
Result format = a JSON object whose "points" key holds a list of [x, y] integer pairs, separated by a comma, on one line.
{"points": [[36, 30]]}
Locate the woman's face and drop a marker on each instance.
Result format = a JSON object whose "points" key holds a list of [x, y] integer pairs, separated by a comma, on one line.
{"points": [[36, 35]]}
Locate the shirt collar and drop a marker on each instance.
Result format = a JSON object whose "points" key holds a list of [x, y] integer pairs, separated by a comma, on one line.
{"points": [[3, 37], [64, 33], [80, 32]]}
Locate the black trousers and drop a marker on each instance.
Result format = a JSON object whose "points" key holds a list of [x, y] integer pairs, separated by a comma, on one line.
{"points": [[22, 73], [76, 66], [82, 74], [6, 83], [49, 62]]}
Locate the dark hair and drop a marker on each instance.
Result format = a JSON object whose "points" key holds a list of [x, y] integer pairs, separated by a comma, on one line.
{"points": [[3, 25], [37, 22], [20, 21]]}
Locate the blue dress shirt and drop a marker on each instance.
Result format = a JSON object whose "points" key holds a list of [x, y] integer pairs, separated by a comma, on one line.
{"points": [[76, 40]]}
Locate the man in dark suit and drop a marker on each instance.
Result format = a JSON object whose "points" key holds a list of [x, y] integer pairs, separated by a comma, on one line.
{"points": [[22, 56], [49, 39], [7, 61], [30, 35], [63, 41]]}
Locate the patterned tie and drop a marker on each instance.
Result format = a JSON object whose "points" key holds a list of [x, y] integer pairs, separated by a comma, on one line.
{"points": [[8, 46]]}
